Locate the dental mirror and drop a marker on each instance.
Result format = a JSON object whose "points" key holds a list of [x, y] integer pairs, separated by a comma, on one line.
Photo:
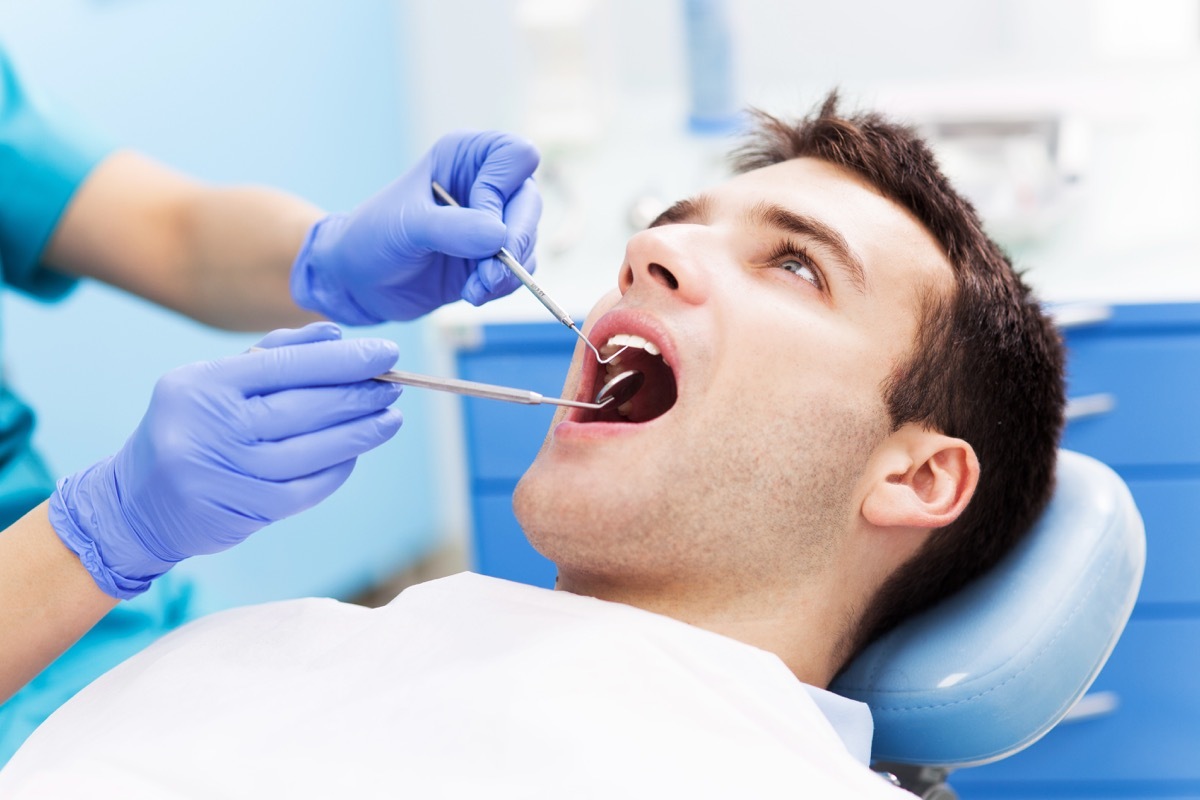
{"points": [[621, 388]]}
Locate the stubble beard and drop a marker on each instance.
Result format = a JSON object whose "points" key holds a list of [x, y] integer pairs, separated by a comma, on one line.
{"points": [[727, 513]]}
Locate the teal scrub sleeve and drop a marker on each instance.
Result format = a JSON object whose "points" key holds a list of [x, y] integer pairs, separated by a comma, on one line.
{"points": [[41, 164]]}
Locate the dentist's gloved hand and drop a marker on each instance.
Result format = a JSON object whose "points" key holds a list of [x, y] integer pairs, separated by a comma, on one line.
{"points": [[227, 447], [401, 255]]}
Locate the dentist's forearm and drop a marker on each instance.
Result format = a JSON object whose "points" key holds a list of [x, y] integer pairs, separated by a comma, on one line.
{"points": [[221, 255], [47, 600]]}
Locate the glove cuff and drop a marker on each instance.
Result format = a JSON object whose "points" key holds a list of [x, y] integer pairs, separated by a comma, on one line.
{"points": [[85, 504], [316, 283]]}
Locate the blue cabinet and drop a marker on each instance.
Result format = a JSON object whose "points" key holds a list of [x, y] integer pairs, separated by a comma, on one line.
{"points": [[1138, 375], [1136, 379], [1146, 747], [503, 438]]}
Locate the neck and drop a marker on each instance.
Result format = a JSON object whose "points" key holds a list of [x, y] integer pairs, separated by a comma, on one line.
{"points": [[801, 625]]}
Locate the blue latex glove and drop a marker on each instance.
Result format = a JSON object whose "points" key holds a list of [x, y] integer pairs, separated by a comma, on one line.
{"points": [[401, 255], [225, 448]]}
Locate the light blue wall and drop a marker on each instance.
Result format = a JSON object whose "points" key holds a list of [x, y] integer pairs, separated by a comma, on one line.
{"points": [[305, 96]]}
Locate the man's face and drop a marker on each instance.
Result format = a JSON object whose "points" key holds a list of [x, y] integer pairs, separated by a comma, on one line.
{"points": [[780, 302]]}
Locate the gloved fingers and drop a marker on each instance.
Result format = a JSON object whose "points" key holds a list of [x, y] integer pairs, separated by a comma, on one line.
{"points": [[312, 452], [508, 161], [312, 332], [291, 412], [458, 232], [280, 500], [521, 217], [491, 279], [476, 291], [324, 363]]}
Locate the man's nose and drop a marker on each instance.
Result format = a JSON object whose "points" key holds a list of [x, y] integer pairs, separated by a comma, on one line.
{"points": [[671, 257]]}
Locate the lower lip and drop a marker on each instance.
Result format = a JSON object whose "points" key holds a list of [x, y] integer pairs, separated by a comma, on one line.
{"points": [[592, 431]]}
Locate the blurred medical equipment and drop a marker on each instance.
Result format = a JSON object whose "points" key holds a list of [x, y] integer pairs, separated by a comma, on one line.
{"points": [[506, 258], [711, 87], [1021, 169], [990, 671]]}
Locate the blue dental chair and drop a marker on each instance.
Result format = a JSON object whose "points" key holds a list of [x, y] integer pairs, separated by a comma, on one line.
{"points": [[991, 670]]}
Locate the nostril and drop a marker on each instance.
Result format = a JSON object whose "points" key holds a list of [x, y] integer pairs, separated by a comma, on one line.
{"points": [[625, 277], [663, 274]]}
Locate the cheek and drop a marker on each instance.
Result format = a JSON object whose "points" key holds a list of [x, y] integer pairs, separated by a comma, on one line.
{"points": [[813, 395], [797, 364]]}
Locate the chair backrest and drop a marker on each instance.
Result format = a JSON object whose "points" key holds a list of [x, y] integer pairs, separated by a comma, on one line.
{"points": [[991, 670]]}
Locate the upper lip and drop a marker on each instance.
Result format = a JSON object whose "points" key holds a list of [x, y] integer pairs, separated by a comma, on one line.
{"points": [[629, 321]]}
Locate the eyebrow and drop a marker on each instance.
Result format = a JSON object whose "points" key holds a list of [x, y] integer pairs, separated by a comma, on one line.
{"points": [[698, 209], [694, 209], [776, 216]]}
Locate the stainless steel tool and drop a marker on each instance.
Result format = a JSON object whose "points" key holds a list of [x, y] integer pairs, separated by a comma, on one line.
{"points": [[621, 388], [488, 391], [507, 259], [615, 392]]}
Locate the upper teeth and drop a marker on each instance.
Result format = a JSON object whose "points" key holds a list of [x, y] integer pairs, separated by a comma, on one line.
{"points": [[619, 340]]}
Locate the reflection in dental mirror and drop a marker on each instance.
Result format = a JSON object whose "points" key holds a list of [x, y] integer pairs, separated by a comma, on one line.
{"points": [[620, 388]]}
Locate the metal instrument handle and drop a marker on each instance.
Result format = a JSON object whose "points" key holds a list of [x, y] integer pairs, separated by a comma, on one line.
{"points": [[487, 391], [509, 260], [472, 388]]}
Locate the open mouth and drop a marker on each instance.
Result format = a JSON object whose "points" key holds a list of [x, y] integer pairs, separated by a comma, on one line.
{"points": [[658, 393]]}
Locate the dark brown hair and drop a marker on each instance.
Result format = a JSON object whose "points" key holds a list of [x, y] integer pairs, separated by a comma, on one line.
{"points": [[987, 366]]}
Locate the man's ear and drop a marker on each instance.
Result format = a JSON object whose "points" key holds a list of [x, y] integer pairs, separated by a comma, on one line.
{"points": [[920, 479]]}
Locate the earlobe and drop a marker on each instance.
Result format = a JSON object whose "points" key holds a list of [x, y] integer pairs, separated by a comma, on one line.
{"points": [[922, 479]]}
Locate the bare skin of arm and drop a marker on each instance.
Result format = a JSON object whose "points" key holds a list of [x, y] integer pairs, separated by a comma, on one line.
{"points": [[220, 255], [50, 600]]}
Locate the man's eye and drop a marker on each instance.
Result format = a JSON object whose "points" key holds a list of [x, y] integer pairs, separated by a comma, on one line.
{"points": [[803, 269]]}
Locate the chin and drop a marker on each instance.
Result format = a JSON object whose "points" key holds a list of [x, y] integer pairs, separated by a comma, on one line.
{"points": [[544, 512], [587, 525]]}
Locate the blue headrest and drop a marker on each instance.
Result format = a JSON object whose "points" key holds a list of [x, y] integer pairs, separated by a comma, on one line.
{"points": [[996, 666]]}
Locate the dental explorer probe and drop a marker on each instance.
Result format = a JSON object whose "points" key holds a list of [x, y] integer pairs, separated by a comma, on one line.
{"points": [[507, 259]]}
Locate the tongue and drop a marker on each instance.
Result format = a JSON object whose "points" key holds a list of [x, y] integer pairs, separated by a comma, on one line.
{"points": [[651, 402]]}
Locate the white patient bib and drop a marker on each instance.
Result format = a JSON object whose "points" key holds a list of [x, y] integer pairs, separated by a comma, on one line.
{"points": [[465, 687]]}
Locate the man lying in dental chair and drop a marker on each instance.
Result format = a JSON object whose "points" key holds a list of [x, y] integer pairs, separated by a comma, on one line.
{"points": [[854, 410]]}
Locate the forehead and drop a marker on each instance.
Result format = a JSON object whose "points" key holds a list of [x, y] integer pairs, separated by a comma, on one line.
{"points": [[875, 228], [901, 262]]}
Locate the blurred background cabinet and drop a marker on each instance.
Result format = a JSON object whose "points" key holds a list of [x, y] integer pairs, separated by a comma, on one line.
{"points": [[1134, 379], [503, 438]]}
